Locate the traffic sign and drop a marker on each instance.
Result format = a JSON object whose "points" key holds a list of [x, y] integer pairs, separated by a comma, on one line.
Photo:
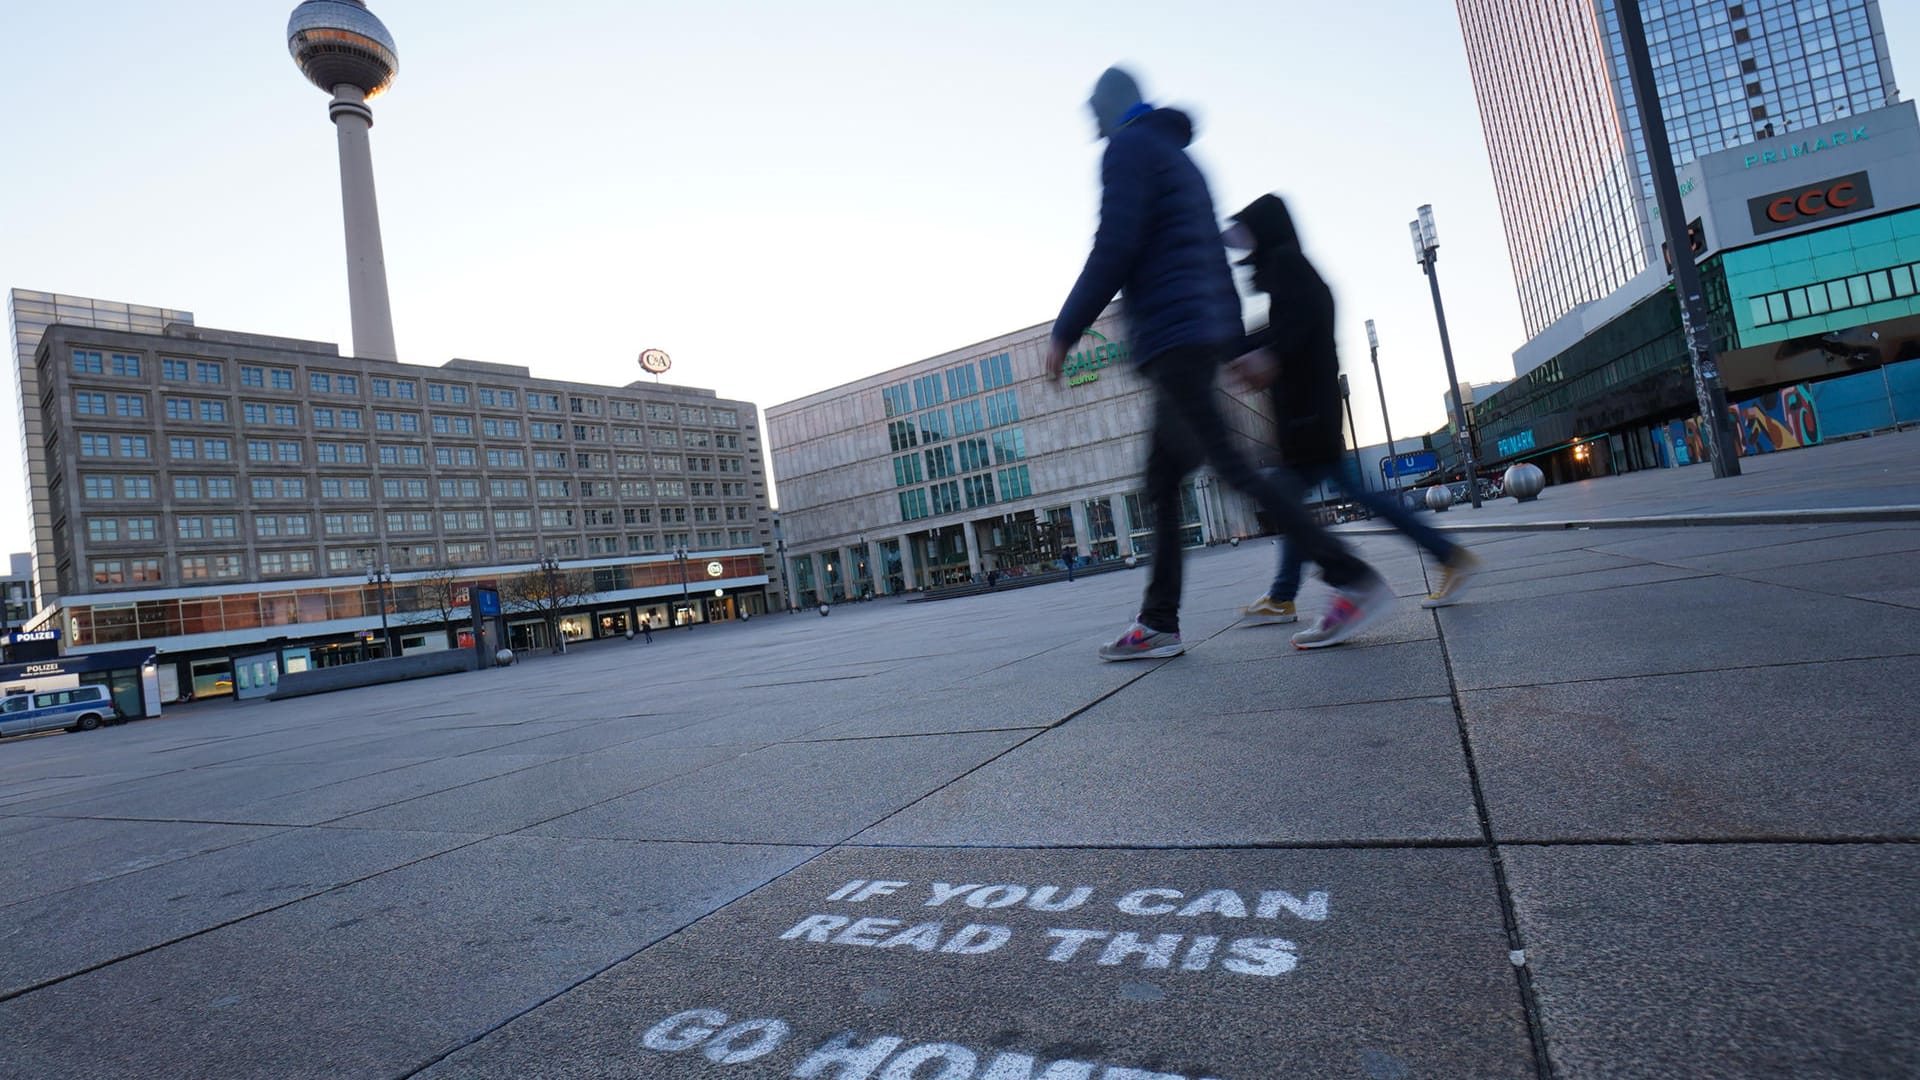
{"points": [[1409, 464]]}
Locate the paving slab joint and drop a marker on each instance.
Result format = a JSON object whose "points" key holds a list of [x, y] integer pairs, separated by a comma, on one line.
{"points": [[1829, 516], [1516, 942]]}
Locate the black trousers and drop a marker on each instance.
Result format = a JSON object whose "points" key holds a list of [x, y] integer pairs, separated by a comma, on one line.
{"points": [[1188, 431]]}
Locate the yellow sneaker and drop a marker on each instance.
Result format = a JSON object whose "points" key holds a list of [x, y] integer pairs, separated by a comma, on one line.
{"points": [[1268, 612], [1454, 575]]}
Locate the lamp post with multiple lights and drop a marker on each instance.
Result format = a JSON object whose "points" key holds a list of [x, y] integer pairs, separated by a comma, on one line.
{"points": [[1426, 251]]}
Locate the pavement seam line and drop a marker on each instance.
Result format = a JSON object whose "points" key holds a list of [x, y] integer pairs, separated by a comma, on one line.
{"points": [[1725, 519], [480, 1036], [1693, 671], [824, 851], [1516, 941], [239, 842], [6, 996]]}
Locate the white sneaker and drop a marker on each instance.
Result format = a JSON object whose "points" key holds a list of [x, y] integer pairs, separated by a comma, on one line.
{"points": [[1352, 611]]}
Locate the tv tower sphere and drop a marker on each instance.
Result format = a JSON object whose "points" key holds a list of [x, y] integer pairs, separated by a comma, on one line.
{"points": [[341, 43], [342, 49]]}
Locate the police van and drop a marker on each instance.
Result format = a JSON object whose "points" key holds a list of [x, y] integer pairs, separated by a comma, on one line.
{"points": [[77, 708]]}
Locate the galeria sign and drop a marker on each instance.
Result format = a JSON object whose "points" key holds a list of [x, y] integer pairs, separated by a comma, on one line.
{"points": [[1084, 366]]}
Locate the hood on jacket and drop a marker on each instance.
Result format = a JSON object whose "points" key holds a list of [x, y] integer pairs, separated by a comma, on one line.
{"points": [[1271, 224], [1115, 101]]}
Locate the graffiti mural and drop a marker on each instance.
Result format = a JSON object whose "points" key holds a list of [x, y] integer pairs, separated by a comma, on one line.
{"points": [[1805, 414], [1782, 420]]}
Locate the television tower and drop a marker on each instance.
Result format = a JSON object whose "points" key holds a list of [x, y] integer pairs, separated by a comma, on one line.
{"points": [[343, 49]]}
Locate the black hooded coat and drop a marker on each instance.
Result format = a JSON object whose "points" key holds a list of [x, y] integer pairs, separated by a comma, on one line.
{"points": [[1299, 333]]}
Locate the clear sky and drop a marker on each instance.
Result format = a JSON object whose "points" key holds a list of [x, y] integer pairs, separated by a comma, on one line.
{"points": [[784, 197]]}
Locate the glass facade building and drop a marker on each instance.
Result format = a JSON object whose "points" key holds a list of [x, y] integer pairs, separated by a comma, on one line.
{"points": [[970, 463], [1563, 131]]}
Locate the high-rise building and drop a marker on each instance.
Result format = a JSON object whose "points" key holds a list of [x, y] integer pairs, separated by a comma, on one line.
{"points": [[1563, 130], [222, 497]]}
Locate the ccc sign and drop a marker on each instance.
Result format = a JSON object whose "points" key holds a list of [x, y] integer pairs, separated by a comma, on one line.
{"points": [[1837, 197]]}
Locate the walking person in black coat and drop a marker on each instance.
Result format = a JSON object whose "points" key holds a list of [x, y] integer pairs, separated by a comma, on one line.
{"points": [[1294, 356]]}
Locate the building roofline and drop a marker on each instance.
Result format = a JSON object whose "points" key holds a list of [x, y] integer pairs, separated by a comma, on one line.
{"points": [[884, 375]]}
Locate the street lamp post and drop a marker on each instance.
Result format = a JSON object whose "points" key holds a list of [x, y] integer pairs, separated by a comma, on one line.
{"points": [[1373, 348], [786, 574], [686, 598], [1716, 425], [550, 564], [380, 577], [1200, 484], [1353, 430], [1426, 251]]}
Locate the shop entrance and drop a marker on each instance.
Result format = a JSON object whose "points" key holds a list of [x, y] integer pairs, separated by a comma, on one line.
{"points": [[527, 634]]}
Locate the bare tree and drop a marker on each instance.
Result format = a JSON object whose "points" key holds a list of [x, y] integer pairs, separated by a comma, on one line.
{"points": [[548, 593], [437, 596]]}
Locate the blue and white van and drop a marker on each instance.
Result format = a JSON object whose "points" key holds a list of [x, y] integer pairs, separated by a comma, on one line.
{"points": [[77, 708]]}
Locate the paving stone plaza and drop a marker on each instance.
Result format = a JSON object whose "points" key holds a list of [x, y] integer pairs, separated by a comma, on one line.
{"points": [[1644, 806]]}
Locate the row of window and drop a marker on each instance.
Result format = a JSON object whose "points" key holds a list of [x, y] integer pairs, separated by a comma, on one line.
{"points": [[995, 410], [1856, 290], [111, 488], [970, 492], [211, 411], [948, 384], [964, 456], [232, 565], [90, 362], [186, 449]]}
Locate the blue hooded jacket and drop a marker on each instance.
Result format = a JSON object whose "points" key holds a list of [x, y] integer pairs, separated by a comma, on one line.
{"points": [[1159, 241]]}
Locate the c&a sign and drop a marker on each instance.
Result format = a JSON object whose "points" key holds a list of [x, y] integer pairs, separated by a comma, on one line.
{"points": [[1806, 203]]}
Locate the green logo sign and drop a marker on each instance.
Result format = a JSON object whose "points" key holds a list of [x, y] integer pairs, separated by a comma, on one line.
{"points": [[1084, 366]]}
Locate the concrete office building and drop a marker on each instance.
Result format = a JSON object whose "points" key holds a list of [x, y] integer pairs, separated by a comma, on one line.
{"points": [[29, 313], [221, 496], [1563, 132], [970, 461]]}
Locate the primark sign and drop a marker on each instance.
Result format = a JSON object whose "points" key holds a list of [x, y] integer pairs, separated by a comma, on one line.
{"points": [[1781, 152]]}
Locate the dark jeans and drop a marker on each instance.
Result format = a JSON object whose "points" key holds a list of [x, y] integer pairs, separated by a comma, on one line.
{"points": [[1286, 584], [1188, 431]]}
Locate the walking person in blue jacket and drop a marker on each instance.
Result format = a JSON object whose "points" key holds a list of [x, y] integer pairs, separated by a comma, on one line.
{"points": [[1160, 241]]}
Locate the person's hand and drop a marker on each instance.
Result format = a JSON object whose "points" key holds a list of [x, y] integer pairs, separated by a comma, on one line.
{"points": [[1056, 360], [1255, 370]]}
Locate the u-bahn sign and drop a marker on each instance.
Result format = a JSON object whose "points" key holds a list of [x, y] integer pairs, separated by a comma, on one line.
{"points": [[1409, 464]]}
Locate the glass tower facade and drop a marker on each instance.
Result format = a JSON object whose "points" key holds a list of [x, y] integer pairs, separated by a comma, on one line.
{"points": [[1563, 131]]}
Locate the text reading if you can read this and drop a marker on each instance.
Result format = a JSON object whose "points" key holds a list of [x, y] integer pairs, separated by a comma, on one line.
{"points": [[952, 929]]}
